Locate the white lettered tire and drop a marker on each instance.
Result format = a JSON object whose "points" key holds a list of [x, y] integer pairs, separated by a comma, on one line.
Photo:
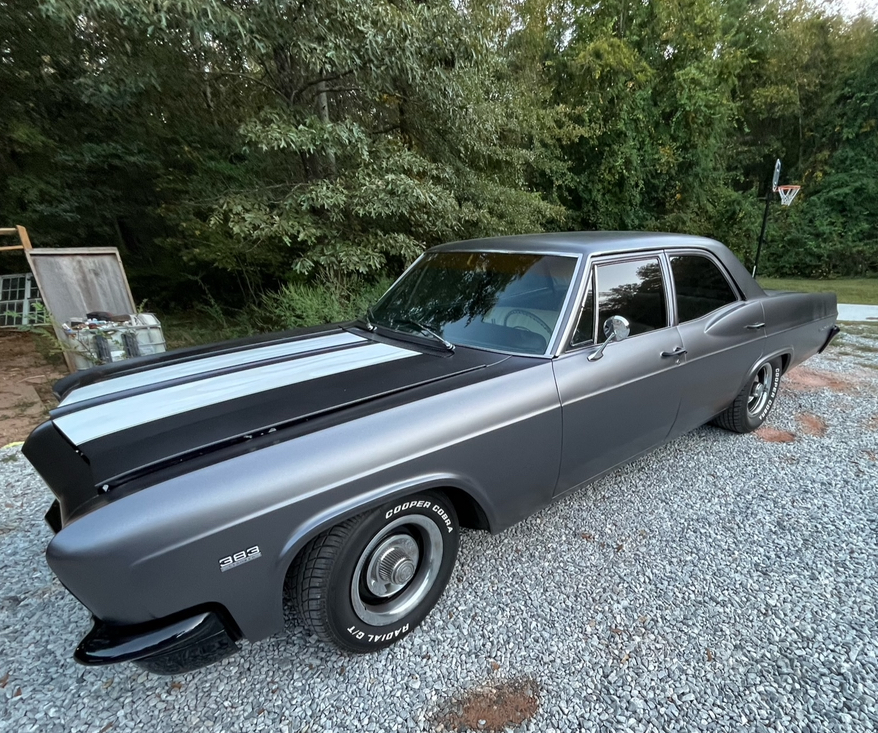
{"points": [[755, 400], [371, 580]]}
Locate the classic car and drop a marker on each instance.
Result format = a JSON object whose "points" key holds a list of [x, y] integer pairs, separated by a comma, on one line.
{"points": [[196, 490]]}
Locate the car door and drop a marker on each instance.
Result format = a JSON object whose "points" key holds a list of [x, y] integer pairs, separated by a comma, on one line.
{"points": [[625, 402], [722, 333]]}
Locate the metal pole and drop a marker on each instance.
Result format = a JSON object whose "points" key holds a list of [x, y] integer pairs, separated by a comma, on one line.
{"points": [[25, 311], [775, 179], [762, 231]]}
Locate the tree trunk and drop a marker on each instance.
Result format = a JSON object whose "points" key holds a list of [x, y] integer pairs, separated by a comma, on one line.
{"points": [[323, 114]]}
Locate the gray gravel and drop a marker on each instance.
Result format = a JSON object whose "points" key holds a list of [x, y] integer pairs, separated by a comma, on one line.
{"points": [[721, 583]]}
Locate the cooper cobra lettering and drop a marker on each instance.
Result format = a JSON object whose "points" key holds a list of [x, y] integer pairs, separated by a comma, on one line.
{"points": [[407, 505]]}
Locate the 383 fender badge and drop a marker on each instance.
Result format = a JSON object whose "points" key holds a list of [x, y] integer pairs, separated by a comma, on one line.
{"points": [[239, 558]]}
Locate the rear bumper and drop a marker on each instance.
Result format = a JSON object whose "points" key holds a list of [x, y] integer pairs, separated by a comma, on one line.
{"points": [[165, 647], [833, 332]]}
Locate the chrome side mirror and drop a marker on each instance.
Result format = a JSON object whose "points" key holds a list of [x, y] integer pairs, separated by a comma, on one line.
{"points": [[616, 328]]}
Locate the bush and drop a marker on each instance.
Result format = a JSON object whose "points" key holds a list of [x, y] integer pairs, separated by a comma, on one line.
{"points": [[302, 304]]}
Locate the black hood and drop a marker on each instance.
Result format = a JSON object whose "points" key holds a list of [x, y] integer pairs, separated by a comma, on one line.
{"points": [[164, 411]]}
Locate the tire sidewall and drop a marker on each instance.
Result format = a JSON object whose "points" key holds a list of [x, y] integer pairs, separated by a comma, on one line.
{"points": [[755, 421], [348, 627]]}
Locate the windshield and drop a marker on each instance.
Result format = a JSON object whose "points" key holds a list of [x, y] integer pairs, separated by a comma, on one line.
{"points": [[495, 300]]}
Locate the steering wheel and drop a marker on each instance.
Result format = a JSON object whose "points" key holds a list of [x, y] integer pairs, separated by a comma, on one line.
{"points": [[530, 315]]}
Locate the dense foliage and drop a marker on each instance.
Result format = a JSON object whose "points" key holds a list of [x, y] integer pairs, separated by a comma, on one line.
{"points": [[243, 147]]}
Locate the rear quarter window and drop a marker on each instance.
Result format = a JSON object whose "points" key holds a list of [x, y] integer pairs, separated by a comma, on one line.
{"points": [[701, 286]]}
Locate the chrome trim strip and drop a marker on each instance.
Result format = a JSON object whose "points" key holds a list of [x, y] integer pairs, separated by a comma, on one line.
{"points": [[572, 318], [567, 311]]}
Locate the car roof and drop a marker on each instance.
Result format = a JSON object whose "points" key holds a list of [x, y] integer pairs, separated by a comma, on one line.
{"points": [[582, 242], [596, 243]]}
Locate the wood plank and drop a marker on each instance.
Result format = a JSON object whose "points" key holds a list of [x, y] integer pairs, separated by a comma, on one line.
{"points": [[23, 236]]}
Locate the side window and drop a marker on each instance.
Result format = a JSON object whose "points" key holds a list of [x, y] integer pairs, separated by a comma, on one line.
{"points": [[635, 290], [701, 287], [584, 333]]}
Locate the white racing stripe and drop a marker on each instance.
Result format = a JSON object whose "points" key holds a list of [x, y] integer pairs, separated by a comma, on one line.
{"points": [[95, 422], [199, 365]]}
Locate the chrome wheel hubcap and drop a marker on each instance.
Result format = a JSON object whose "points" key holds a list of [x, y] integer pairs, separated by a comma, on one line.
{"points": [[396, 570], [759, 390], [393, 565]]}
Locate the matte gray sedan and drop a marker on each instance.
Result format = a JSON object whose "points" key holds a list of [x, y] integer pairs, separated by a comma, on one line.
{"points": [[338, 462]]}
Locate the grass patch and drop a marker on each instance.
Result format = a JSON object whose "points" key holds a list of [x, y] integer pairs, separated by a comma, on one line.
{"points": [[856, 291]]}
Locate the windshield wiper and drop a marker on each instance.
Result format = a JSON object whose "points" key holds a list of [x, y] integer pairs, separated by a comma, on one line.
{"points": [[425, 331], [370, 319]]}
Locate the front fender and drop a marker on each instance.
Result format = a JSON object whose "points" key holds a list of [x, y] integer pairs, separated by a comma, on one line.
{"points": [[154, 552]]}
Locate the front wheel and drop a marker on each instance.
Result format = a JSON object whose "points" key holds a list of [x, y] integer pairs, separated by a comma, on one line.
{"points": [[369, 581], [755, 401]]}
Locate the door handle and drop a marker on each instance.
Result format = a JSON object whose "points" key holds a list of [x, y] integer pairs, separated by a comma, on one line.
{"points": [[754, 326], [678, 351]]}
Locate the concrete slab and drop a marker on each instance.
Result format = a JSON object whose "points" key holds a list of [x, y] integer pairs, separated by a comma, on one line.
{"points": [[868, 313]]}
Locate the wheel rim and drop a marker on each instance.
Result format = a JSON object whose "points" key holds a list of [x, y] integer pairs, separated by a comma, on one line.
{"points": [[759, 390], [396, 570]]}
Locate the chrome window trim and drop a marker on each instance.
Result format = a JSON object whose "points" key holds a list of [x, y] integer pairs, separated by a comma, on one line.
{"points": [[573, 317], [658, 254], [591, 265], [568, 345]]}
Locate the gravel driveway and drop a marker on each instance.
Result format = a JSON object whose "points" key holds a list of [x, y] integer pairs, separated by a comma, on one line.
{"points": [[721, 583]]}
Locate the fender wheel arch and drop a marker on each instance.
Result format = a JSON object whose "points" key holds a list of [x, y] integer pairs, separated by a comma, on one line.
{"points": [[785, 358], [327, 581], [470, 513], [753, 403]]}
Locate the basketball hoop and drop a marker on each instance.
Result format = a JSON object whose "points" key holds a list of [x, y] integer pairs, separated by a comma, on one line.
{"points": [[787, 194]]}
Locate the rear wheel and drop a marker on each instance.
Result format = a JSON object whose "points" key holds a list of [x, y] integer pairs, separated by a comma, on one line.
{"points": [[755, 401], [370, 580]]}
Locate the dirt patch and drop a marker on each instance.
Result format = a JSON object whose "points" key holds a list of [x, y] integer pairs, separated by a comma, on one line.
{"points": [[773, 435], [872, 423], [493, 707], [811, 424], [26, 379], [803, 379]]}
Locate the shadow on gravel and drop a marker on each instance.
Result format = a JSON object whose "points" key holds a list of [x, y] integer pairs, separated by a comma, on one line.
{"points": [[495, 706]]}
